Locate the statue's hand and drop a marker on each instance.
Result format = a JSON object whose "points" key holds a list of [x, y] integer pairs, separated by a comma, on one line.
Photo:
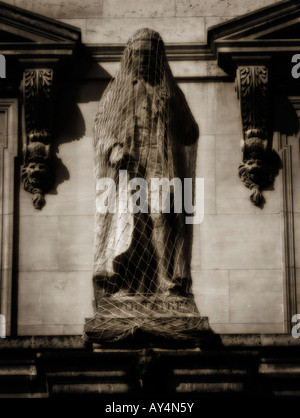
{"points": [[160, 103], [116, 154]]}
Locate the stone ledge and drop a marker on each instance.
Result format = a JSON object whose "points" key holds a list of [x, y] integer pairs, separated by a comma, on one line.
{"points": [[76, 342]]}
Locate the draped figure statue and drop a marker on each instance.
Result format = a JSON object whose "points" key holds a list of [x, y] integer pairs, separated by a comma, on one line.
{"points": [[144, 129]]}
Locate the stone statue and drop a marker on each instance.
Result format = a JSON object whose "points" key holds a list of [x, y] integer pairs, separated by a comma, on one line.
{"points": [[144, 132]]}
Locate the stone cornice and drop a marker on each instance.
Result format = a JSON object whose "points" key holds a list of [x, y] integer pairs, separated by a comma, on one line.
{"points": [[35, 27], [31, 35], [199, 52], [174, 52], [37, 50], [76, 342]]}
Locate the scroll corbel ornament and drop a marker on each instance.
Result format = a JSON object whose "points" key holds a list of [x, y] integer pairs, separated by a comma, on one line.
{"points": [[37, 174], [260, 164]]}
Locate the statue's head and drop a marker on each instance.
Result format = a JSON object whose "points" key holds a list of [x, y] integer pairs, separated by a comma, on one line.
{"points": [[255, 153], [255, 171], [144, 52], [36, 171]]}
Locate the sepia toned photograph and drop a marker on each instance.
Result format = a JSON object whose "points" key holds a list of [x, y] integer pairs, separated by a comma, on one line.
{"points": [[150, 202]]}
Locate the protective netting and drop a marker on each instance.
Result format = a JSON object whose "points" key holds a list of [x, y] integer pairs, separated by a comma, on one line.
{"points": [[143, 130]]}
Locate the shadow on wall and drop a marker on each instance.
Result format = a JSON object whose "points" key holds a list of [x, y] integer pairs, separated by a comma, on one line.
{"points": [[286, 120], [68, 122]]}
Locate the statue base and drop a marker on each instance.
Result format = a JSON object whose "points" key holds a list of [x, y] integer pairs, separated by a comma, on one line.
{"points": [[170, 318]]}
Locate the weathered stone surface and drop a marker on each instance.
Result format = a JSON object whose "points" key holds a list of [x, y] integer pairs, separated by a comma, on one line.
{"points": [[256, 239], [30, 302], [41, 232], [190, 69], [206, 169], [50, 330], [217, 98], [218, 7], [294, 143], [123, 9], [44, 307], [211, 291], [246, 306], [73, 231], [190, 29], [297, 236], [142, 8], [61, 9], [248, 328]]}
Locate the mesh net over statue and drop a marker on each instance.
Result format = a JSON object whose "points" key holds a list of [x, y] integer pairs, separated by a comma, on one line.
{"points": [[143, 130]]}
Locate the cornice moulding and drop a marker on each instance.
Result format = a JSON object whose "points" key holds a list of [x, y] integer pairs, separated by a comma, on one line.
{"points": [[35, 26]]}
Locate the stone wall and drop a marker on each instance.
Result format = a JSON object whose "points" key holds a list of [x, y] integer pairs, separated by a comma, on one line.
{"points": [[111, 21], [237, 251]]}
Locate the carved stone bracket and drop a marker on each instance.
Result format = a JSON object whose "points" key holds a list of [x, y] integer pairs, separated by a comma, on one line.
{"points": [[37, 174], [260, 163]]}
